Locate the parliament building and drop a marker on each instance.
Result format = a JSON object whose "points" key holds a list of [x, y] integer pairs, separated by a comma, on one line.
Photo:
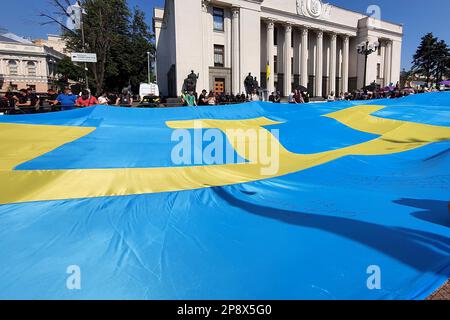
{"points": [[298, 42]]}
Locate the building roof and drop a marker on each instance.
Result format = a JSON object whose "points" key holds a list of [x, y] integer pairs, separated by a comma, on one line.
{"points": [[16, 38], [6, 39]]}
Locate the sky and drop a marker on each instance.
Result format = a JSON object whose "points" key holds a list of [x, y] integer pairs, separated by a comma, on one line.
{"points": [[418, 17]]}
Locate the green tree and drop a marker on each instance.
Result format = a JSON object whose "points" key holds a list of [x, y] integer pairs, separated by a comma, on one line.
{"points": [[424, 59], [442, 60], [68, 70], [432, 59], [111, 33], [141, 43]]}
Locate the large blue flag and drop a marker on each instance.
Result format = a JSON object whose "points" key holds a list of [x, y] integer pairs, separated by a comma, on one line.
{"points": [[344, 200]]}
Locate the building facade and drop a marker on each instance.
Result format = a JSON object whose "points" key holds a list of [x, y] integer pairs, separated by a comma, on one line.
{"points": [[304, 42], [24, 64]]}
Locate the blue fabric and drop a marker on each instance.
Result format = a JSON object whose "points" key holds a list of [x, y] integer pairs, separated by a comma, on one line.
{"points": [[307, 235]]}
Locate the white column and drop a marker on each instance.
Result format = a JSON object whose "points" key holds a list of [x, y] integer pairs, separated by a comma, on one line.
{"points": [[287, 60], [207, 50], [333, 64], [388, 63], [270, 55], [345, 62], [235, 67], [319, 64], [304, 59]]}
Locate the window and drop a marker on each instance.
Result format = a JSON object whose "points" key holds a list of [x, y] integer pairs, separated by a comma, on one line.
{"points": [[31, 68], [275, 64], [275, 36], [378, 70], [292, 39], [292, 65], [12, 68], [219, 56], [218, 15]]}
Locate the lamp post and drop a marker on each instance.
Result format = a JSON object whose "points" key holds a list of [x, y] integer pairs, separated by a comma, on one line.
{"points": [[83, 43], [148, 62], [366, 49]]}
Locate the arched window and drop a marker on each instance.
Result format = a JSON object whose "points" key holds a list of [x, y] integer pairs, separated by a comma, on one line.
{"points": [[31, 68], [12, 68]]}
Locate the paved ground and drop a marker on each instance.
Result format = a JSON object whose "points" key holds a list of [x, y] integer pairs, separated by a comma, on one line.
{"points": [[442, 294]]}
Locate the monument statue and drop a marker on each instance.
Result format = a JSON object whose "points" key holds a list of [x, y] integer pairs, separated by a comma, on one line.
{"points": [[190, 83]]}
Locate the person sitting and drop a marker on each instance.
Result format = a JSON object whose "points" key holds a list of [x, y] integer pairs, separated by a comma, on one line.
{"points": [[298, 97], [86, 100], [272, 97], [291, 97], [254, 96], [305, 95], [125, 99], [103, 99], [277, 98], [202, 99], [211, 99], [331, 97]]}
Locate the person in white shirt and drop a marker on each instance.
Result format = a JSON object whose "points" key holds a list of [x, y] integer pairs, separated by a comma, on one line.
{"points": [[331, 97], [103, 99], [255, 96]]}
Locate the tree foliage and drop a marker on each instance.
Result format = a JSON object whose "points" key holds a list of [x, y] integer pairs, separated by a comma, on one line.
{"points": [[432, 58], [69, 71], [119, 37]]}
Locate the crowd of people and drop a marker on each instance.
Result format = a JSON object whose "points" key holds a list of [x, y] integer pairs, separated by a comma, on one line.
{"points": [[213, 98], [27, 101], [298, 96]]}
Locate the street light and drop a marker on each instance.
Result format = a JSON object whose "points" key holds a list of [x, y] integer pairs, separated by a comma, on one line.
{"points": [[366, 49], [148, 60]]}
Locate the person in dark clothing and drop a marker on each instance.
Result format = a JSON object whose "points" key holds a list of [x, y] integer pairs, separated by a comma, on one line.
{"points": [[125, 99], [306, 97], [112, 98], [203, 99], [272, 97], [23, 101]]}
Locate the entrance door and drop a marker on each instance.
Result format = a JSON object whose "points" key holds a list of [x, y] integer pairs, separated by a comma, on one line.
{"points": [[219, 85]]}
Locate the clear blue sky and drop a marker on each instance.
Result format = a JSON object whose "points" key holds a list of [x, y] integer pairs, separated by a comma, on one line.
{"points": [[418, 17]]}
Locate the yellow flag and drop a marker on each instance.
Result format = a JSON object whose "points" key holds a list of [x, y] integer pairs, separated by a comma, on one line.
{"points": [[267, 71]]}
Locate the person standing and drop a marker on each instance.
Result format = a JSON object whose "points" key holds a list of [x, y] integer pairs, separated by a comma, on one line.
{"points": [[86, 100], [67, 100], [23, 101]]}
